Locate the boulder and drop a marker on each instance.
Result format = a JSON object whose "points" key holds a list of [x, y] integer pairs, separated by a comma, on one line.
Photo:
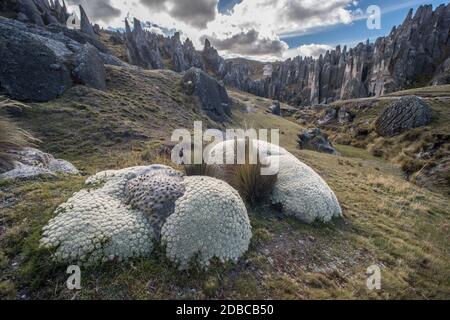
{"points": [[212, 94], [32, 67], [329, 116], [89, 68], [275, 108], [316, 140], [405, 114], [41, 63], [344, 116], [32, 162]]}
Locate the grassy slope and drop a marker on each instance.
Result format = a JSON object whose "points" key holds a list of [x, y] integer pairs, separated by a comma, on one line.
{"points": [[404, 149], [388, 221]]}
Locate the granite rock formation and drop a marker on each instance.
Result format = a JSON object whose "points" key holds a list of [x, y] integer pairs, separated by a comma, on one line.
{"points": [[413, 53], [40, 63], [408, 56], [275, 108], [155, 51], [212, 94]]}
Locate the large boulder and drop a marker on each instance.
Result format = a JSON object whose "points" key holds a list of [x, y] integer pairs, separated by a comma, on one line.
{"points": [[212, 94], [89, 69], [32, 67], [405, 114], [315, 140], [41, 63], [275, 108]]}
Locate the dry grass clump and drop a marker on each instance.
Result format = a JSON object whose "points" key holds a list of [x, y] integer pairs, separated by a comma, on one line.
{"points": [[253, 187], [200, 170], [12, 138]]}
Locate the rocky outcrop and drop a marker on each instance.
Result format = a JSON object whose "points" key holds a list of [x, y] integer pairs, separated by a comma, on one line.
{"points": [[154, 51], [90, 69], [442, 75], [315, 140], [40, 63], [32, 162], [403, 115], [409, 55], [212, 94], [31, 67], [339, 114], [85, 24], [142, 48], [275, 108]]}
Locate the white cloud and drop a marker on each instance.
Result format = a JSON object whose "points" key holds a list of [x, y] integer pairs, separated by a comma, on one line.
{"points": [[271, 19], [314, 50]]}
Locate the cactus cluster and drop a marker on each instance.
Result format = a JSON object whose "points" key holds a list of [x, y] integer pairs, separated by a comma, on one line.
{"points": [[207, 224], [122, 214], [299, 190]]}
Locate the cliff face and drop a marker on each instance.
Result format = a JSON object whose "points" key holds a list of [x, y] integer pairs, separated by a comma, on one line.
{"points": [[154, 51], [410, 55]]}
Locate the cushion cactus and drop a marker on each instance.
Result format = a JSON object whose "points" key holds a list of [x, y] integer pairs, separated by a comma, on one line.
{"points": [[299, 190], [210, 220], [123, 212]]}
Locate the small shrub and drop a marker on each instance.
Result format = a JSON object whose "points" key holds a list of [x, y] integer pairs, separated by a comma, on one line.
{"points": [[12, 139]]}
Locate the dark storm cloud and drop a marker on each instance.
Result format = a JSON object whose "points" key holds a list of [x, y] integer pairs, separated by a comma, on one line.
{"points": [[196, 13], [98, 9], [297, 10], [249, 43], [154, 4]]}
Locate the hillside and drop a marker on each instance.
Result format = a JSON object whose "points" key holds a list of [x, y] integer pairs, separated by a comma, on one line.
{"points": [[422, 153], [387, 220]]}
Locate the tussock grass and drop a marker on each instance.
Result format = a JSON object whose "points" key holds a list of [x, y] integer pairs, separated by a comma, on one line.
{"points": [[12, 138], [253, 187], [200, 170]]}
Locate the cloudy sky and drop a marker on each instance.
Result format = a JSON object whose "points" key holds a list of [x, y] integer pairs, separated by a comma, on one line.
{"points": [[258, 29]]}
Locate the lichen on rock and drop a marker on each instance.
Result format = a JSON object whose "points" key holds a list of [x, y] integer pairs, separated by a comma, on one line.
{"points": [[210, 220]]}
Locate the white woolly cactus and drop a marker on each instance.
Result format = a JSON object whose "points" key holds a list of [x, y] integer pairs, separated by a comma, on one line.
{"points": [[210, 220], [121, 214], [302, 193], [97, 225], [93, 226], [299, 190]]}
